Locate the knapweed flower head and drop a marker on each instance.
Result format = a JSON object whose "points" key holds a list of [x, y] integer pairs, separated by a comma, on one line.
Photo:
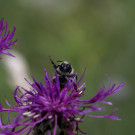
{"points": [[48, 109], [6, 38]]}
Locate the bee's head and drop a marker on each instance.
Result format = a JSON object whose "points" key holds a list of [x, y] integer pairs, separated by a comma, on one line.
{"points": [[64, 68]]}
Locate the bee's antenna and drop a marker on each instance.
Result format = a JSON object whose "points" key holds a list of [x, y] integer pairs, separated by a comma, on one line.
{"points": [[59, 61], [54, 65]]}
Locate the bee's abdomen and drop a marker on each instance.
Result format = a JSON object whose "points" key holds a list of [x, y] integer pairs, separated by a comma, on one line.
{"points": [[63, 81]]}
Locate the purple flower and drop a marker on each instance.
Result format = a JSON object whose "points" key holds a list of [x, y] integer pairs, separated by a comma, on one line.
{"points": [[46, 107], [6, 38]]}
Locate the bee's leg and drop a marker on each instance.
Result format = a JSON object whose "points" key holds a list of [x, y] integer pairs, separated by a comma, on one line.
{"points": [[54, 65], [76, 78], [73, 75], [58, 72], [75, 84]]}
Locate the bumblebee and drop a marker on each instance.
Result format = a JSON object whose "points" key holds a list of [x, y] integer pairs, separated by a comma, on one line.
{"points": [[64, 70]]}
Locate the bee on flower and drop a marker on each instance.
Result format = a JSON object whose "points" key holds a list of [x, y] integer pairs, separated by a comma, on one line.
{"points": [[49, 109]]}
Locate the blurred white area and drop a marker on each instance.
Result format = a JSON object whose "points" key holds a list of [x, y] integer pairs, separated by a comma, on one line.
{"points": [[52, 6], [17, 70]]}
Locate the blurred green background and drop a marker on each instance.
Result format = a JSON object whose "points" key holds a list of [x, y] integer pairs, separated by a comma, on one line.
{"points": [[98, 35]]}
